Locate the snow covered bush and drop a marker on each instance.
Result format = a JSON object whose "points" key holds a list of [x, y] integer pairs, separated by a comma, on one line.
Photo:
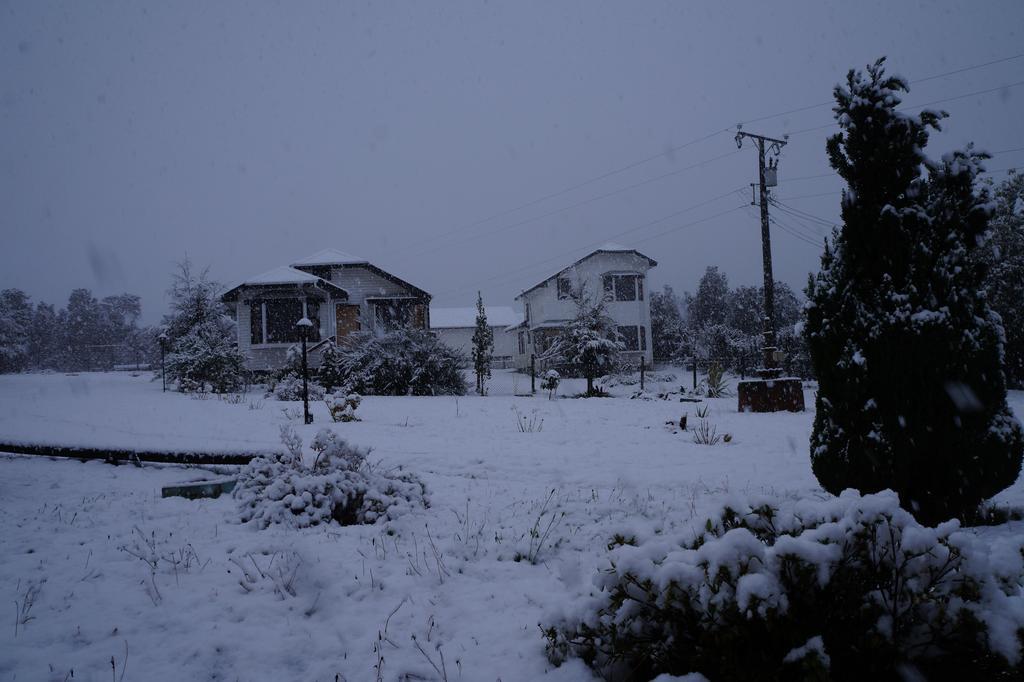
{"points": [[716, 385], [850, 588], [342, 407], [286, 383], [550, 382], [289, 387], [401, 362], [340, 486], [906, 347]]}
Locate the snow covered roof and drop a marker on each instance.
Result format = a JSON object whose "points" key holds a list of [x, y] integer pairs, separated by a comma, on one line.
{"points": [[610, 247], [330, 257], [451, 318], [282, 275], [552, 324]]}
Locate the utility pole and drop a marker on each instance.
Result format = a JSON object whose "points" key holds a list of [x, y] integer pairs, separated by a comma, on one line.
{"points": [[770, 393], [767, 177]]}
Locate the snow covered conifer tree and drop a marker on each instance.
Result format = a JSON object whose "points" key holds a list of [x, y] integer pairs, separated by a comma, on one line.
{"points": [[590, 341], [483, 345], [202, 336], [15, 320], [1005, 282], [668, 331], [906, 349]]}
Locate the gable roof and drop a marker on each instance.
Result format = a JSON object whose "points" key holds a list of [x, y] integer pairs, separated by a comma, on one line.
{"points": [[330, 257], [335, 258], [610, 247], [281, 276], [454, 318]]}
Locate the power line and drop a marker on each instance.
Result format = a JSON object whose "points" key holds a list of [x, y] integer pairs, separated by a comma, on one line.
{"points": [[575, 250], [584, 183], [808, 216], [921, 106], [584, 202], [676, 148], [795, 234], [811, 196], [914, 82], [810, 229]]}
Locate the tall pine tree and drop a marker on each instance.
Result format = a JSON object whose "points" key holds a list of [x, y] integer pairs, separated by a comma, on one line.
{"points": [[906, 349], [1005, 283], [483, 345]]}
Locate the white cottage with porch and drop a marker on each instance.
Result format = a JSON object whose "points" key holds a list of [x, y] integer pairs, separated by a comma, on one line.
{"points": [[340, 293], [615, 272]]}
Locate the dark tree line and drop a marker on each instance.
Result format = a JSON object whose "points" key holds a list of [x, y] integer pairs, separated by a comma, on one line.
{"points": [[723, 325], [87, 333]]}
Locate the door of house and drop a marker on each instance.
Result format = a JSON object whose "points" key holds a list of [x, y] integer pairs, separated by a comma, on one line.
{"points": [[347, 317]]}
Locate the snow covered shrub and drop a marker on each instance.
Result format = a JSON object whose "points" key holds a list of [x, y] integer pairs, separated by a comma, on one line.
{"points": [[340, 486], [906, 347], [290, 388], [704, 433], [401, 362], [850, 588], [343, 406], [716, 384], [550, 383], [286, 383]]}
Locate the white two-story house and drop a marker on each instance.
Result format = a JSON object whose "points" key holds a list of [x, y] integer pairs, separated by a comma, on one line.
{"points": [[340, 293], [615, 272]]}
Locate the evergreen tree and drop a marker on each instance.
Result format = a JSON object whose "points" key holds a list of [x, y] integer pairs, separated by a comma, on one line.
{"points": [[15, 320], [710, 305], [81, 326], [590, 341], [668, 330], [483, 345], [907, 351], [1005, 282], [44, 337], [203, 354]]}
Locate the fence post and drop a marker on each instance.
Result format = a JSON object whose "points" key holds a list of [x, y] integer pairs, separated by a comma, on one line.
{"points": [[533, 374], [643, 366]]}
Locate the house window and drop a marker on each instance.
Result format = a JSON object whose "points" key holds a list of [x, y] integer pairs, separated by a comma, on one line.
{"points": [[643, 338], [256, 322], [630, 338], [282, 314], [564, 288], [624, 287], [522, 343], [399, 314], [526, 311]]}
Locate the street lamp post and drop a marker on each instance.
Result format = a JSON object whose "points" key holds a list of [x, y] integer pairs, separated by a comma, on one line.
{"points": [[163, 340], [305, 325]]}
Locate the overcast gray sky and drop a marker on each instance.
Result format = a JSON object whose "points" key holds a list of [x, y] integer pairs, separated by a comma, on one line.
{"points": [[250, 134]]}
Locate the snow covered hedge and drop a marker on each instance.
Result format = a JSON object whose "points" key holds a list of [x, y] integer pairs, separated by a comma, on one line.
{"points": [[286, 383], [340, 486], [401, 362], [851, 588]]}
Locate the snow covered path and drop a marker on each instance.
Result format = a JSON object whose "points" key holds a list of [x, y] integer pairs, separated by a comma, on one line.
{"points": [[448, 575]]}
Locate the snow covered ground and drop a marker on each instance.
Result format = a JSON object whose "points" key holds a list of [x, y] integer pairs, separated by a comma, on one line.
{"points": [[517, 526]]}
